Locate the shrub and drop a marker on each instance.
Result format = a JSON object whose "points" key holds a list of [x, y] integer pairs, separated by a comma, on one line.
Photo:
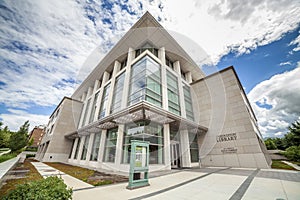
{"points": [[293, 153], [30, 155], [47, 189]]}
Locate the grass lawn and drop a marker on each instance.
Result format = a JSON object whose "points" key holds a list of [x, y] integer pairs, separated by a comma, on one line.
{"points": [[7, 156], [277, 164], [89, 176], [32, 175]]}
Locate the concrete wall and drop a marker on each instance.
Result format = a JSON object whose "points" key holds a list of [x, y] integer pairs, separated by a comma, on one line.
{"points": [[67, 121], [232, 139]]}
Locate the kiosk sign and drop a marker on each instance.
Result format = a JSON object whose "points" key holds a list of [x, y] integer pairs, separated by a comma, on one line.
{"points": [[140, 156]]}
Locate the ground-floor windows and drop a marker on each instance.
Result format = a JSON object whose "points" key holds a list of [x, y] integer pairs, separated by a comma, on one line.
{"points": [[110, 145], [144, 131], [77, 148], [194, 150], [95, 147], [85, 147]]}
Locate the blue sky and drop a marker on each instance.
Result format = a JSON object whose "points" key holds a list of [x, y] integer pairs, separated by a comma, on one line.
{"points": [[44, 46]]}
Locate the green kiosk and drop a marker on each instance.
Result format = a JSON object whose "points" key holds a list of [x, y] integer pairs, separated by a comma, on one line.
{"points": [[139, 164]]}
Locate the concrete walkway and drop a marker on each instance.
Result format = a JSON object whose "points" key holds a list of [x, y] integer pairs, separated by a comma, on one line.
{"points": [[7, 165], [207, 183], [46, 170]]}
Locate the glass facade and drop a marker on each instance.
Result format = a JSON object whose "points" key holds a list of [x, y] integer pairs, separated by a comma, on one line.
{"points": [[144, 131], [95, 147], [77, 148], [173, 97], [94, 106], [145, 82], [104, 101], [110, 145], [188, 102], [85, 146], [118, 92], [193, 138], [86, 112]]}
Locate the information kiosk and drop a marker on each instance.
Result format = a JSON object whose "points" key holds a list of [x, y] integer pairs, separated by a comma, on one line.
{"points": [[139, 164]]}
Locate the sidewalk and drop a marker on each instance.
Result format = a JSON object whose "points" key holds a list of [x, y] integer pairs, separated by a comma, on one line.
{"points": [[46, 170], [7, 165]]}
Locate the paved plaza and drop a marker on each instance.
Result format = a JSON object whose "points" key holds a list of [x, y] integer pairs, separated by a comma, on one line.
{"points": [[206, 183]]}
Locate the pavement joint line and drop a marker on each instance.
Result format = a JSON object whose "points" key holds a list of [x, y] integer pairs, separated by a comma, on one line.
{"points": [[176, 186], [239, 193]]}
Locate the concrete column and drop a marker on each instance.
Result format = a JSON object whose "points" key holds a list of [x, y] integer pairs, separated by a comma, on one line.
{"points": [[162, 57], [185, 149], [130, 57], [167, 154], [102, 146], [180, 89], [88, 108], [83, 97], [119, 145], [188, 77], [90, 145], [96, 86], [80, 148], [74, 148], [117, 67]]}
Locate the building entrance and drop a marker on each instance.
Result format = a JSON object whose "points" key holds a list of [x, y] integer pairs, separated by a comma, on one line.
{"points": [[175, 154]]}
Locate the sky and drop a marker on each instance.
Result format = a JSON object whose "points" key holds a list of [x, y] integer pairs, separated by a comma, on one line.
{"points": [[44, 46]]}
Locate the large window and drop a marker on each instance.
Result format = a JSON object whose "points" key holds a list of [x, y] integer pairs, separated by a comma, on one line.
{"points": [[85, 118], [117, 96], [193, 138], [145, 83], [94, 107], [95, 147], [77, 148], [173, 97], [104, 102], [85, 147], [110, 145], [188, 102], [144, 131]]}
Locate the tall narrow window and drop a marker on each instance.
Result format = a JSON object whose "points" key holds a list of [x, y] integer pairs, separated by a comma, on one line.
{"points": [[95, 147], [85, 118], [145, 83], [193, 138], [110, 145], [104, 102], [85, 147], [173, 97], [77, 148], [188, 102], [117, 96], [94, 106], [70, 154]]}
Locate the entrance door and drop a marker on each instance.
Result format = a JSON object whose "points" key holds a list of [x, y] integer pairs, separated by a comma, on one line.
{"points": [[175, 156]]}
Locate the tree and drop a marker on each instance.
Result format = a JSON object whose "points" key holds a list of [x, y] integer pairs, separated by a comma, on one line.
{"points": [[4, 136], [295, 131], [19, 139], [270, 144]]}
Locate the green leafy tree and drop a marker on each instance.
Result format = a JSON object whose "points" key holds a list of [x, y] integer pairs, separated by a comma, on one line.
{"points": [[293, 153], [4, 136], [19, 139], [295, 131], [270, 144]]}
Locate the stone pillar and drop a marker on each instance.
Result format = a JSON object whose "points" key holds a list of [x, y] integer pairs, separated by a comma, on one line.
{"points": [[167, 154], [180, 89], [119, 145], [188, 77], [161, 56], [90, 145], [185, 149], [102, 146], [130, 57], [80, 148], [83, 97], [74, 148], [117, 67]]}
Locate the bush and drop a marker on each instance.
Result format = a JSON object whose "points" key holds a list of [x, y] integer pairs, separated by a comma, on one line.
{"points": [[30, 155], [293, 153], [8, 156], [47, 189], [33, 149]]}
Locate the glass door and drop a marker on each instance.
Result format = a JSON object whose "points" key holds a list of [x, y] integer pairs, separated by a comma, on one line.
{"points": [[175, 156]]}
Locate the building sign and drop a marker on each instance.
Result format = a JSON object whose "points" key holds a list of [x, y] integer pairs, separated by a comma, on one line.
{"points": [[226, 137], [140, 156], [229, 150]]}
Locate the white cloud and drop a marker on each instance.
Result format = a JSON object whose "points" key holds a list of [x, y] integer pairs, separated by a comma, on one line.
{"points": [[279, 103], [15, 118], [296, 42], [285, 63]]}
